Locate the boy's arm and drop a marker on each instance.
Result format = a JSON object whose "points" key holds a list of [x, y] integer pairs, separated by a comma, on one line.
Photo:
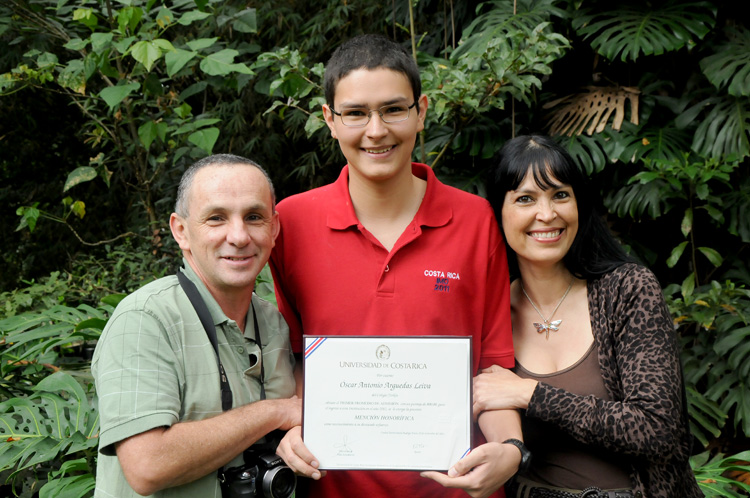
{"points": [[489, 466]]}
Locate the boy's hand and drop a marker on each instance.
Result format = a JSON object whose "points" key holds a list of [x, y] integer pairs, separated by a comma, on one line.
{"points": [[481, 472], [296, 455]]}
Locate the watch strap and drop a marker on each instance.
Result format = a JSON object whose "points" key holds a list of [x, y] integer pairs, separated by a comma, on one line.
{"points": [[525, 454]]}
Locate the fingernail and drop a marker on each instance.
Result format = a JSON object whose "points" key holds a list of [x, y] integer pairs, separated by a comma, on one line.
{"points": [[314, 464], [452, 472], [316, 475]]}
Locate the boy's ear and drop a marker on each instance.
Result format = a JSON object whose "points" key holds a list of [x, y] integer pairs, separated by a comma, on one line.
{"points": [[275, 226], [423, 103], [328, 115]]}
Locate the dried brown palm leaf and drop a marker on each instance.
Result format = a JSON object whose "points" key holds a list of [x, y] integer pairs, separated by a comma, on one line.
{"points": [[592, 108]]}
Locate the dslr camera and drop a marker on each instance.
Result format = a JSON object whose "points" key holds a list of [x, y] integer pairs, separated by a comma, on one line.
{"points": [[264, 473]]}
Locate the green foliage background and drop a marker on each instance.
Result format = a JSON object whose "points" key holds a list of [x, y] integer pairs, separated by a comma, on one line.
{"points": [[103, 103]]}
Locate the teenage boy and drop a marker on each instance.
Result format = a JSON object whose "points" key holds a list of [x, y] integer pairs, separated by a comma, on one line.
{"points": [[389, 250]]}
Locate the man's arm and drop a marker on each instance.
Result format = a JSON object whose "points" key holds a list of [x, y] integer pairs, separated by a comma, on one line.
{"points": [[170, 456], [292, 448]]}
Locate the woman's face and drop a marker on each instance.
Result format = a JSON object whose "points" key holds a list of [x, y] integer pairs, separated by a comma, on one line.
{"points": [[540, 225]]}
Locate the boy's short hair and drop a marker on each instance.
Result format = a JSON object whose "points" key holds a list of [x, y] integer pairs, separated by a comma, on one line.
{"points": [[370, 52]]}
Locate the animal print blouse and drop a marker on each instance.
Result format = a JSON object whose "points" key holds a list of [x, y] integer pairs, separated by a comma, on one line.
{"points": [[639, 360]]}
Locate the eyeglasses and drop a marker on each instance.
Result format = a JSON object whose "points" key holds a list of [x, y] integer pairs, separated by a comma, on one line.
{"points": [[360, 116]]}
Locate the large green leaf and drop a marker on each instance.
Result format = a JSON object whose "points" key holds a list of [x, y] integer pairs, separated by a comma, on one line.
{"points": [[725, 131], [632, 30], [148, 52], [676, 254], [113, 95], [79, 175], [222, 63], [73, 76], [738, 208], [712, 255], [711, 474], [246, 21], [730, 65], [29, 215], [589, 152], [637, 199], [177, 59], [32, 334], [499, 21], [150, 130], [634, 143], [201, 43], [77, 486], [195, 124], [705, 416], [128, 18], [205, 138], [101, 41], [57, 419], [733, 395], [190, 17]]}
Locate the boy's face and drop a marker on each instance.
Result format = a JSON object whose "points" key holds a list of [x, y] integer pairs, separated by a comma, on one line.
{"points": [[378, 151]]}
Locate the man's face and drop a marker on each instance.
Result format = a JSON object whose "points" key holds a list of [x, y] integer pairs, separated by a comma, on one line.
{"points": [[230, 228], [378, 151]]}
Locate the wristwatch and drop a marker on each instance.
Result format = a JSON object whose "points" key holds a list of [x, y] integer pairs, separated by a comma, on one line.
{"points": [[525, 454]]}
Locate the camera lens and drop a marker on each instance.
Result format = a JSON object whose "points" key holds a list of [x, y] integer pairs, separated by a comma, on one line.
{"points": [[279, 482]]}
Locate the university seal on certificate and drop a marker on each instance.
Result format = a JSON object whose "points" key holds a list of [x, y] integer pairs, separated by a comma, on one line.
{"points": [[387, 403]]}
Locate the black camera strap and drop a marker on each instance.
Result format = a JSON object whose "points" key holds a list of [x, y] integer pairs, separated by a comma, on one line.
{"points": [[208, 324]]}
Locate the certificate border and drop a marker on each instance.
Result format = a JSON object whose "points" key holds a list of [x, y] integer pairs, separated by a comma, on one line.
{"points": [[470, 376]]}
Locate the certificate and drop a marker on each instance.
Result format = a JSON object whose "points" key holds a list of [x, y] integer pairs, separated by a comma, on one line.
{"points": [[387, 403]]}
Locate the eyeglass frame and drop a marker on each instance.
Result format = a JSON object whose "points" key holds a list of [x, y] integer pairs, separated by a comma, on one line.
{"points": [[379, 110]]}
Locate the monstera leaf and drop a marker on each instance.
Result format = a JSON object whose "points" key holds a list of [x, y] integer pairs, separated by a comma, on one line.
{"points": [[725, 129], [31, 334], [57, 420], [589, 152], [714, 475], [500, 21], [591, 110], [636, 200], [730, 65], [706, 418], [630, 31], [80, 483]]}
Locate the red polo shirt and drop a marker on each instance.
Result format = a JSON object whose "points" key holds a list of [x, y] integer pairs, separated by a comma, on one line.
{"points": [[446, 275]]}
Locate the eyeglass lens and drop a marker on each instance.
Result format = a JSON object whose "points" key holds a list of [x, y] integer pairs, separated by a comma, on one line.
{"points": [[388, 113]]}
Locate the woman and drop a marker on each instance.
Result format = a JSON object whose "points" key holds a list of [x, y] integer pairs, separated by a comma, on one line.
{"points": [[597, 374]]}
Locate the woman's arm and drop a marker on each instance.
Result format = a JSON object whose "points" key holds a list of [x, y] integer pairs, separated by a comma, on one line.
{"points": [[640, 364]]}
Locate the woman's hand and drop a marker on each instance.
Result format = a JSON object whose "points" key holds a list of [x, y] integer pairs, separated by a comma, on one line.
{"points": [[497, 388]]}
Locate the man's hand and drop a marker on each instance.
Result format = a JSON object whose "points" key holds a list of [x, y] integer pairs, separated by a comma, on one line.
{"points": [[296, 455], [482, 471], [291, 412]]}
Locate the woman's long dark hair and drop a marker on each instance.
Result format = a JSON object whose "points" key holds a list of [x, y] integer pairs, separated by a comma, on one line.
{"points": [[594, 251]]}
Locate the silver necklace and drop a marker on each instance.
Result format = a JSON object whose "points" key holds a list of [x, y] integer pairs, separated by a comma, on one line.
{"points": [[546, 324]]}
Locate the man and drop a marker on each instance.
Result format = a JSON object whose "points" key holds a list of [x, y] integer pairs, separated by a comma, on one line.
{"points": [[163, 430], [389, 250]]}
